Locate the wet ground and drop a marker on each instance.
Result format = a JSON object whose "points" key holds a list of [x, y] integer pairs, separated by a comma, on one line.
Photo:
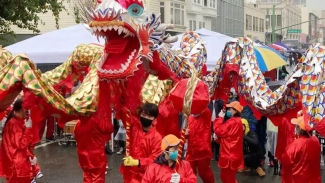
{"points": [[60, 165]]}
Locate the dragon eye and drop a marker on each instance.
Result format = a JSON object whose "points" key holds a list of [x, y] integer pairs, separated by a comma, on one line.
{"points": [[135, 10]]}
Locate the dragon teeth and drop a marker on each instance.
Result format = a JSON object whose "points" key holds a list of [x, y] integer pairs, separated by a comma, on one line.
{"points": [[120, 30]]}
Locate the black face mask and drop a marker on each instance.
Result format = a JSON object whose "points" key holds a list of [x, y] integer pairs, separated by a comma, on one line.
{"points": [[145, 122]]}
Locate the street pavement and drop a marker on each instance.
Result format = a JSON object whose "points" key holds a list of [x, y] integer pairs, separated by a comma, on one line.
{"points": [[59, 164]]}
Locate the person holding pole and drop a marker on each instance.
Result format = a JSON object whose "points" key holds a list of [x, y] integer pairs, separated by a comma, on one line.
{"points": [[166, 169], [199, 153], [230, 133], [145, 142]]}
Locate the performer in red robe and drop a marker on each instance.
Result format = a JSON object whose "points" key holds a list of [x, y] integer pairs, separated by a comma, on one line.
{"points": [[167, 121], [165, 169], [93, 134], [286, 133], [16, 137], [199, 152], [301, 159], [230, 133], [145, 145]]}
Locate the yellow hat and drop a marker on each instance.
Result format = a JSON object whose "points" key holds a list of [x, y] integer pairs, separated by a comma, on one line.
{"points": [[236, 105], [169, 141], [245, 122]]}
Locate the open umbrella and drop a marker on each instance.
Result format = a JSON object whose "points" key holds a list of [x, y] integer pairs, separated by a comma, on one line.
{"points": [[278, 47], [268, 58]]}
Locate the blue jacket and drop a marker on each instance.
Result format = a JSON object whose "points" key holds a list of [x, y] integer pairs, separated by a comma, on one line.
{"points": [[247, 113]]}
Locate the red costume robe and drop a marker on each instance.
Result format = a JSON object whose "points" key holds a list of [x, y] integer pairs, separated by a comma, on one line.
{"points": [[15, 155], [301, 161], [160, 173], [231, 157], [91, 152], [199, 152], [144, 146]]}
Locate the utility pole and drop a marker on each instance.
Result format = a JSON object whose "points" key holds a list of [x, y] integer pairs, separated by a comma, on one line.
{"points": [[273, 24]]}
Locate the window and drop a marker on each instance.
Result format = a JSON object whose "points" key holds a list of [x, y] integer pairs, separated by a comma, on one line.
{"points": [[197, 1], [192, 25], [261, 25], [177, 14], [254, 23], [278, 20], [248, 22], [162, 12], [201, 25], [213, 3], [205, 2]]}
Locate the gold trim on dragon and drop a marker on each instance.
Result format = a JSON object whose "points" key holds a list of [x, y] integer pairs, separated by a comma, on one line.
{"points": [[106, 23]]}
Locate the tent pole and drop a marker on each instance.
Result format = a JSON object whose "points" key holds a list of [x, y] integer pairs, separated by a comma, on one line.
{"points": [[112, 135]]}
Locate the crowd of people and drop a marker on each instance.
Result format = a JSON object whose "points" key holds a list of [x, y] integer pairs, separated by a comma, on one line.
{"points": [[240, 143]]}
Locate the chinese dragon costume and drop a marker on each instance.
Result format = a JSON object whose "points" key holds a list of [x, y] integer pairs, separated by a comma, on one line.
{"points": [[136, 46]]}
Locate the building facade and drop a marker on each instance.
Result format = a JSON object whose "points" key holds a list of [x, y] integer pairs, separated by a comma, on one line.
{"points": [[230, 19], [297, 2], [202, 14], [188, 15], [254, 22], [287, 20], [312, 29]]}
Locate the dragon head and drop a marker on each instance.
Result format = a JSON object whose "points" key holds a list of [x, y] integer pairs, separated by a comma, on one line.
{"points": [[125, 26]]}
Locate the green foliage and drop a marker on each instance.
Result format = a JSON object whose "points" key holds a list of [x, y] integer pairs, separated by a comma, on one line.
{"points": [[24, 13]]}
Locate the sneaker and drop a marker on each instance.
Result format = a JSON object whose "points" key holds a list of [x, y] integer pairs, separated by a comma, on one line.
{"points": [[106, 172], [260, 172], [263, 162], [106, 167], [271, 163], [39, 175], [245, 169], [33, 181], [121, 151]]}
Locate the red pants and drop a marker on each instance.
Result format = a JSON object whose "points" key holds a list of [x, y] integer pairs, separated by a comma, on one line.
{"points": [[96, 175], [34, 171], [130, 176], [204, 169], [49, 122], [15, 179], [228, 175]]}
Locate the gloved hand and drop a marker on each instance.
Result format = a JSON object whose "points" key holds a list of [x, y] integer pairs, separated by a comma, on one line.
{"points": [[129, 161], [29, 123], [221, 114], [176, 178], [33, 161]]}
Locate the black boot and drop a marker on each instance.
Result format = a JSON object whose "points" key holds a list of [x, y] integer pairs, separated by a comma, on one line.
{"points": [[276, 167]]}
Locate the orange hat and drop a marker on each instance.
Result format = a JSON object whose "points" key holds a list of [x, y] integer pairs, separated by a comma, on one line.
{"points": [[169, 141], [236, 105], [299, 121]]}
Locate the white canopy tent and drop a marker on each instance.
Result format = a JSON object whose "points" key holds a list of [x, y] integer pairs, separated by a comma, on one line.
{"points": [[215, 43], [55, 46]]}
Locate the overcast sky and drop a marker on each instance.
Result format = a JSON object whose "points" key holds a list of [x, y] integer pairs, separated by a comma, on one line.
{"points": [[316, 4]]}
